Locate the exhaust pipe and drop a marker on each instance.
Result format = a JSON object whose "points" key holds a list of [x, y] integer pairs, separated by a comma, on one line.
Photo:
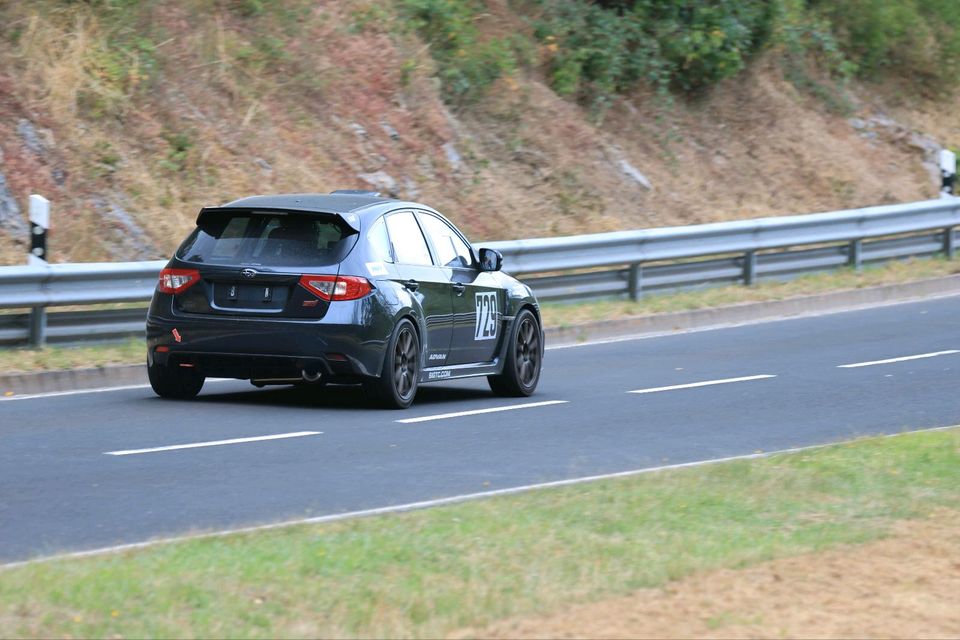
{"points": [[311, 377], [262, 382]]}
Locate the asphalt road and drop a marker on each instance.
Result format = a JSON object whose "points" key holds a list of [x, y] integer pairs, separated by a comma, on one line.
{"points": [[74, 476]]}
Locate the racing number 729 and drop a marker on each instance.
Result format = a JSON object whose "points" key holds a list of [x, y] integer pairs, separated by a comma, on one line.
{"points": [[486, 322]]}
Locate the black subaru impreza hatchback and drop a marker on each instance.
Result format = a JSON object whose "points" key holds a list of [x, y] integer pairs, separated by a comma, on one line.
{"points": [[348, 287]]}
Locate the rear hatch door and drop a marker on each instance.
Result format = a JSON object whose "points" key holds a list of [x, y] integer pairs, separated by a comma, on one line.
{"points": [[251, 262]]}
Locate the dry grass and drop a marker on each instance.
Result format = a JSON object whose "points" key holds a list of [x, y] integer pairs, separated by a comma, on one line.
{"points": [[903, 586], [166, 107]]}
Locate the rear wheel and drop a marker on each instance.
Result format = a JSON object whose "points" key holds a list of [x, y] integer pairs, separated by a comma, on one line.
{"points": [[521, 371], [181, 383], [397, 384]]}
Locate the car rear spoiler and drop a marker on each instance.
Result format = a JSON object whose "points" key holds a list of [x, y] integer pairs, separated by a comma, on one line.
{"points": [[349, 220]]}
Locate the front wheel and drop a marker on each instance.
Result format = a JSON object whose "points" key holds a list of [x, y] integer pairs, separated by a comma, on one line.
{"points": [[180, 384], [397, 384], [521, 371]]}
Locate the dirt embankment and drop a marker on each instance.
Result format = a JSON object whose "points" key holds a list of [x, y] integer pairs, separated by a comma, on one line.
{"points": [[204, 107], [905, 586]]}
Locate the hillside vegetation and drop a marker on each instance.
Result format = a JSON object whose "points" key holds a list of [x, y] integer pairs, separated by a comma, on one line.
{"points": [[517, 118]]}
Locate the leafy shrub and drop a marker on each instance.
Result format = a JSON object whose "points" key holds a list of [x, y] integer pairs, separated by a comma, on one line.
{"points": [[597, 52], [603, 48], [704, 42], [916, 39], [466, 65]]}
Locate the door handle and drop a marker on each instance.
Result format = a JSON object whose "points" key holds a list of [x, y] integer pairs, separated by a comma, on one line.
{"points": [[411, 284], [459, 288]]}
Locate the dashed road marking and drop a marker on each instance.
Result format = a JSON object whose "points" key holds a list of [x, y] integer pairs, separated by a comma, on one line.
{"points": [[77, 392], [705, 383], [214, 443], [460, 414], [920, 356]]}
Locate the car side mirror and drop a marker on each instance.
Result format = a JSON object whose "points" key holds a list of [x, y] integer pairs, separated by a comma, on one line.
{"points": [[490, 260]]}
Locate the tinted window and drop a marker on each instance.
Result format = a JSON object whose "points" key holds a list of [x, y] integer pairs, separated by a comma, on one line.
{"points": [[267, 239], [406, 239], [452, 251], [379, 242]]}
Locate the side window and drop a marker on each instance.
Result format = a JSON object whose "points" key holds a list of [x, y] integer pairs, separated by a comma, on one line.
{"points": [[452, 251], [406, 239], [379, 242]]}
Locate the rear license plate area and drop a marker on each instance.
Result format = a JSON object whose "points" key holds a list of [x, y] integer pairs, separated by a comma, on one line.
{"points": [[263, 297]]}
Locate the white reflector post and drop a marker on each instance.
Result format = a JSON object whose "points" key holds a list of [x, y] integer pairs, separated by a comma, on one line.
{"points": [[948, 172], [39, 223]]}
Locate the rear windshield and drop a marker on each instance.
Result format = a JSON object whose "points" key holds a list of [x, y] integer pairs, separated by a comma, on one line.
{"points": [[268, 238]]}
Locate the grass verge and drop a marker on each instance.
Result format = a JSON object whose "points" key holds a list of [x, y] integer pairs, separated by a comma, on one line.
{"points": [[554, 314], [133, 351], [430, 572]]}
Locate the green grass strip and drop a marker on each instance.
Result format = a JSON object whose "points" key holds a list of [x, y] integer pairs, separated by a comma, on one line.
{"points": [[426, 573]]}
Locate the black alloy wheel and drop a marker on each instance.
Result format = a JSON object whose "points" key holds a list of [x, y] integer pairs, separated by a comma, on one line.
{"points": [[405, 358], [527, 356], [397, 384], [521, 371]]}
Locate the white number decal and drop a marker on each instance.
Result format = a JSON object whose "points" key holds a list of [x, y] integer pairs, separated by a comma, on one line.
{"points": [[487, 316]]}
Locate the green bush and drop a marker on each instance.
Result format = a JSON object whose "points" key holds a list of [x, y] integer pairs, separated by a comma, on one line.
{"points": [[598, 51], [466, 65], [915, 39], [604, 48], [704, 42]]}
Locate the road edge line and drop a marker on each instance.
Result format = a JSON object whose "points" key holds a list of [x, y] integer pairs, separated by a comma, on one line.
{"points": [[450, 500]]}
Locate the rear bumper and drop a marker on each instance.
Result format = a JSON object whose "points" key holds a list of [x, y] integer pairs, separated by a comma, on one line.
{"points": [[233, 347]]}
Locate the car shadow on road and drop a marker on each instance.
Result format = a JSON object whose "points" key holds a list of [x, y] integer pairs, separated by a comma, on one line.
{"points": [[348, 397]]}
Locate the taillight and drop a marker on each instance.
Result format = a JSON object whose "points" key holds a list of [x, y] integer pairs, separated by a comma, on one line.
{"points": [[178, 280], [336, 287]]}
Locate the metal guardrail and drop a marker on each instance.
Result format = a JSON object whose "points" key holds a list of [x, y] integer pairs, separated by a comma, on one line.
{"points": [[624, 263]]}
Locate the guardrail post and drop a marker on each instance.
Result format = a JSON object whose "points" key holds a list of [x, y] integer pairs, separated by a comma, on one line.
{"points": [[749, 267], [948, 242], [38, 326], [635, 282], [855, 258]]}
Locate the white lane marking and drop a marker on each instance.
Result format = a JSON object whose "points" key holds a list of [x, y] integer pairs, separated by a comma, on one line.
{"points": [[75, 392], [901, 359], [54, 394], [439, 502], [705, 383], [214, 443], [475, 412]]}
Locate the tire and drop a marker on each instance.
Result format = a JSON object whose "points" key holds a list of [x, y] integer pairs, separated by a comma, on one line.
{"points": [[178, 384], [397, 385], [521, 370]]}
